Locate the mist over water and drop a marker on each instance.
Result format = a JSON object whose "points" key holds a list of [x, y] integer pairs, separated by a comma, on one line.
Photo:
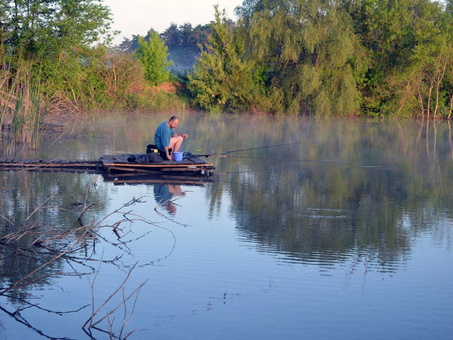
{"points": [[312, 228]]}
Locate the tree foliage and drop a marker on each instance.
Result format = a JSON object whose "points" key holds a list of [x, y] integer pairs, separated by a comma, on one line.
{"points": [[183, 44], [411, 53], [154, 57], [222, 80], [54, 41], [342, 57], [310, 50], [47, 29]]}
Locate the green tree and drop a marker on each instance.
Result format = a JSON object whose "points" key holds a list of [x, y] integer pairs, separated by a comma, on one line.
{"points": [[432, 62], [410, 49], [222, 80], [310, 50], [54, 39], [154, 57], [44, 29]]}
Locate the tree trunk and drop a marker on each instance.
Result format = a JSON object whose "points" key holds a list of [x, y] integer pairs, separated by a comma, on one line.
{"points": [[451, 106], [429, 98]]}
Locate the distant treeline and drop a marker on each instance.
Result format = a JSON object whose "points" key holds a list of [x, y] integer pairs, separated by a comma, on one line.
{"points": [[365, 57], [183, 43]]}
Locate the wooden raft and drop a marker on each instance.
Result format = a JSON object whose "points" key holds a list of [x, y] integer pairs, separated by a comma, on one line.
{"points": [[189, 165], [111, 164], [9, 163]]}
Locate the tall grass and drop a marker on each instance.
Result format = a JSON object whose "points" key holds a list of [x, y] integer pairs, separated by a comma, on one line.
{"points": [[27, 122], [21, 114]]}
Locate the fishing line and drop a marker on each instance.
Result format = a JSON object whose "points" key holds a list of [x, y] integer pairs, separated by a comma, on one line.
{"points": [[220, 154], [227, 154], [291, 160], [280, 167]]}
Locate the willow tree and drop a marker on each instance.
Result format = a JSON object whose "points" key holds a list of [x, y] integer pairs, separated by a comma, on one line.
{"points": [[310, 51]]}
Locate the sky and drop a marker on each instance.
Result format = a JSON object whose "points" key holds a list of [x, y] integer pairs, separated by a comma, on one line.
{"points": [[133, 17]]}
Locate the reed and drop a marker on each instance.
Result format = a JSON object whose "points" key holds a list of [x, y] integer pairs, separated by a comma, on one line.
{"points": [[21, 114]]}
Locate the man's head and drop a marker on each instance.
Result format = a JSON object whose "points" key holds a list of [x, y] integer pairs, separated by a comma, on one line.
{"points": [[173, 122]]}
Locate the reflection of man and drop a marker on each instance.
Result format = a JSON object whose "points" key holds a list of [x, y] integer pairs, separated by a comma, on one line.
{"points": [[163, 194], [167, 140]]}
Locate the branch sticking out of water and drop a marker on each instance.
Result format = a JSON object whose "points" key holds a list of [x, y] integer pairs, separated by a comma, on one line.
{"points": [[46, 246], [91, 323]]}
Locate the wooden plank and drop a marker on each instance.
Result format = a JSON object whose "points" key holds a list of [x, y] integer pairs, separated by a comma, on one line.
{"points": [[182, 169], [152, 165], [143, 171], [182, 181]]}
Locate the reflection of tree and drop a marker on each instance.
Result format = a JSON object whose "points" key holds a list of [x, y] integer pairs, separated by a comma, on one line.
{"points": [[342, 192], [40, 238], [30, 201], [406, 176]]}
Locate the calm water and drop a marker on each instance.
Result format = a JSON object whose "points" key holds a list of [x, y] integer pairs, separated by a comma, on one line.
{"points": [[338, 229]]}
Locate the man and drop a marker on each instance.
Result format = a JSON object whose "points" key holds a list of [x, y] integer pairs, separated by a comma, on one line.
{"points": [[164, 193], [167, 140]]}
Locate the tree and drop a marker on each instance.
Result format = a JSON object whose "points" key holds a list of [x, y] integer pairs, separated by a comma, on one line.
{"points": [[172, 36], [44, 29], [310, 51], [410, 44], [222, 80], [50, 43], [154, 57]]}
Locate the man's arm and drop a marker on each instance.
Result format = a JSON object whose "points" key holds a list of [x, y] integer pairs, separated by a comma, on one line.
{"points": [[166, 149], [184, 135]]}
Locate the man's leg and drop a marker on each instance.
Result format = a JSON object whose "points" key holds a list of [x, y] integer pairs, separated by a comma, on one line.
{"points": [[175, 143]]}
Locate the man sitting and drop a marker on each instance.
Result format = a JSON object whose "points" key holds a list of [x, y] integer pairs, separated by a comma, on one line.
{"points": [[167, 140]]}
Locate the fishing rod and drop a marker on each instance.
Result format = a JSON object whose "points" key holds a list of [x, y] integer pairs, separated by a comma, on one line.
{"points": [[225, 154]]}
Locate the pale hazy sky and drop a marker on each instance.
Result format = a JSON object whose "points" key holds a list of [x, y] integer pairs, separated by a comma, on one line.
{"points": [[138, 16]]}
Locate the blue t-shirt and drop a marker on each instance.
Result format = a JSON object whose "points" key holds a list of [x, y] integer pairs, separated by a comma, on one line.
{"points": [[162, 193], [162, 136]]}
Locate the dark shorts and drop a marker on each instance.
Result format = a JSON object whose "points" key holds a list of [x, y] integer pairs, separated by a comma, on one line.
{"points": [[164, 155]]}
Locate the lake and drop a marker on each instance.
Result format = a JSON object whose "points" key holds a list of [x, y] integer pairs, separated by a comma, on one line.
{"points": [[311, 229]]}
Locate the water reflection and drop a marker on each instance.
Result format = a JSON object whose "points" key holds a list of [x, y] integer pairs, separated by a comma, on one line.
{"points": [[336, 197], [303, 215], [342, 190], [165, 193], [35, 208], [330, 187]]}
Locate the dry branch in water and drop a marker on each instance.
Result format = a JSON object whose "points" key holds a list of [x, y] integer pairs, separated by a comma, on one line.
{"points": [[46, 247], [92, 324]]}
